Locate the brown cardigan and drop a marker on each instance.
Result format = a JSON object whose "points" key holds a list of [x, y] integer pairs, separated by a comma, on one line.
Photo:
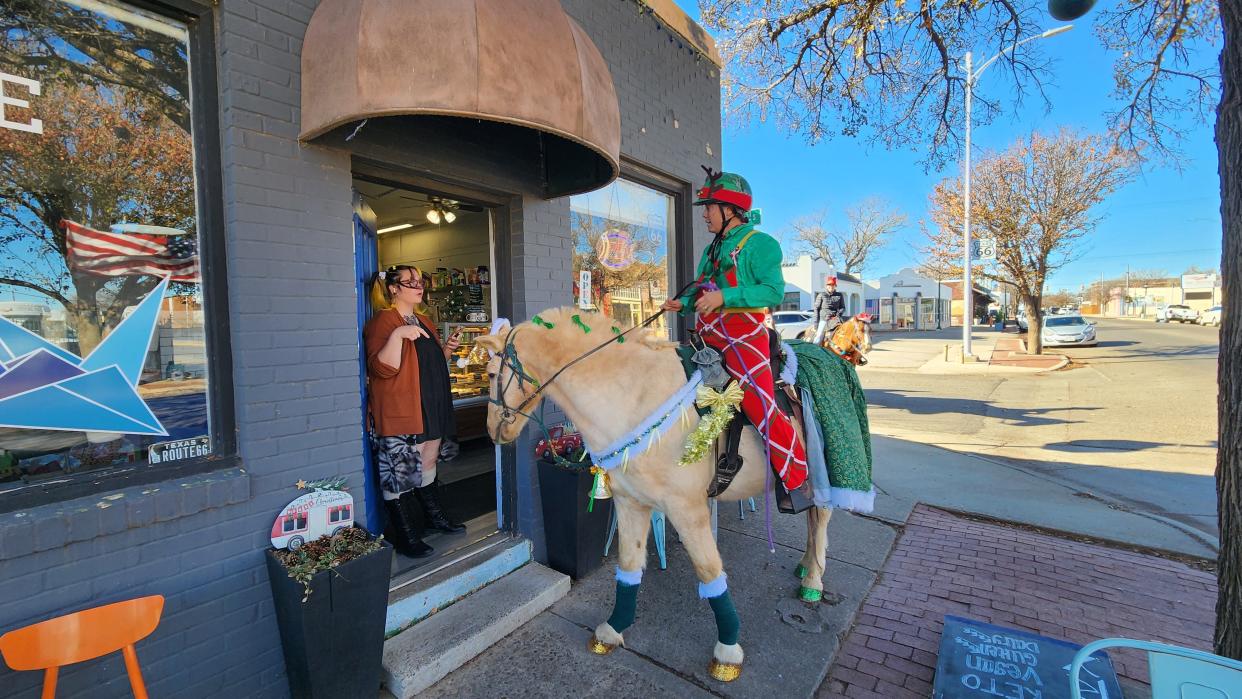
{"points": [[393, 396]]}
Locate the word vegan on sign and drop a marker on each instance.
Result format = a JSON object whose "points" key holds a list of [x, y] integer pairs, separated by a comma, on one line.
{"points": [[979, 660]]}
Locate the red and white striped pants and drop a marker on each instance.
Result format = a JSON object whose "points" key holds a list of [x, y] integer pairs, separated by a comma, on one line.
{"points": [[742, 340]]}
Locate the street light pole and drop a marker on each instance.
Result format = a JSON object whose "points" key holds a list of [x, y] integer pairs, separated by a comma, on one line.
{"points": [[968, 292]]}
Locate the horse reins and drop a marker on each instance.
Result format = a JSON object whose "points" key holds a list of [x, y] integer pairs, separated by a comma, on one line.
{"points": [[509, 358]]}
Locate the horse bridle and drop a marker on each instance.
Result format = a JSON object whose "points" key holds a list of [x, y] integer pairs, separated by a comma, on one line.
{"points": [[842, 353], [509, 359]]}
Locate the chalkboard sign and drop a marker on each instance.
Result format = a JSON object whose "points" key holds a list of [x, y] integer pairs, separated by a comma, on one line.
{"points": [[982, 661]]}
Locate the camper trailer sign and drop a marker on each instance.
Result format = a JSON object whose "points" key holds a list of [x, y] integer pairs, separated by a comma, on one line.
{"points": [[316, 514], [163, 452]]}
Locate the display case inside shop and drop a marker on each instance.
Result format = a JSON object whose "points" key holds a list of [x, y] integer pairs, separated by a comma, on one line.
{"points": [[469, 382]]}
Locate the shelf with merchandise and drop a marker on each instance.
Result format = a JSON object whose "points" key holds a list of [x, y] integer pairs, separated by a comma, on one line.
{"points": [[470, 381]]}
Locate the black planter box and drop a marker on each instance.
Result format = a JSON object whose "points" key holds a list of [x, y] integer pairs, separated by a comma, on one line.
{"points": [[574, 537], [334, 642]]}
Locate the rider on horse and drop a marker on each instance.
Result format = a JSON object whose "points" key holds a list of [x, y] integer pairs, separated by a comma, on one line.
{"points": [[829, 307], [739, 278]]}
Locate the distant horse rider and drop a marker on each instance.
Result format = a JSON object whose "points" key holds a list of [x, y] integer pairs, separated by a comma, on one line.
{"points": [[829, 307]]}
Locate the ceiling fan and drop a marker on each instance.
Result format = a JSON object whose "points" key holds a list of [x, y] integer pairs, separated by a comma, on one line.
{"points": [[442, 209]]}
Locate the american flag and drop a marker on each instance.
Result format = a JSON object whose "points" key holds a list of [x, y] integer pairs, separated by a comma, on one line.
{"points": [[131, 249]]}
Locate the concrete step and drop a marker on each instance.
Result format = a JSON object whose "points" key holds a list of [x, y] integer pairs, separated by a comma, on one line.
{"points": [[417, 595], [426, 652]]}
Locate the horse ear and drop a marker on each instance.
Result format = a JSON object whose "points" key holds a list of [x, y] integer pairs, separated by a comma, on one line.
{"points": [[491, 343]]}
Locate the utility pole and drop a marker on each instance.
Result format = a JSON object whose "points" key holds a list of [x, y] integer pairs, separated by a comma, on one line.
{"points": [[972, 76], [1125, 296]]}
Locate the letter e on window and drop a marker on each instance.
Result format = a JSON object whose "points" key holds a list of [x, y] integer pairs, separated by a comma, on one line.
{"points": [[33, 86]]}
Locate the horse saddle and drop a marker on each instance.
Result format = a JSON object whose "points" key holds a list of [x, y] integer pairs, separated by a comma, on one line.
{"points": [[729, 463]]}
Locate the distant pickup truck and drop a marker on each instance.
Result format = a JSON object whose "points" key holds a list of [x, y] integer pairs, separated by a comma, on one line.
{"points": [[1177, 312]]}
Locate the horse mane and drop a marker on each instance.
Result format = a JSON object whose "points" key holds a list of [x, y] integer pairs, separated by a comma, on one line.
{"points": [[567, 340]]}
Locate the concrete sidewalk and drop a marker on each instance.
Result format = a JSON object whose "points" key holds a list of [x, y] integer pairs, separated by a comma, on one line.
{"points": [[790, 646], [939, 352]]}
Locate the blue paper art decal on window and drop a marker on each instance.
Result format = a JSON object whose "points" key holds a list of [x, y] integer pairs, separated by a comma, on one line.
{"points": [[45, 387]]}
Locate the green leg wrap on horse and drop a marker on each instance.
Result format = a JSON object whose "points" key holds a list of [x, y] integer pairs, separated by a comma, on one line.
{"points": [[727, 623], [623, 609]]}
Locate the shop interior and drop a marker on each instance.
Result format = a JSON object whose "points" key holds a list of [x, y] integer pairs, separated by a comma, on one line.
{"points": [[450, 241]]}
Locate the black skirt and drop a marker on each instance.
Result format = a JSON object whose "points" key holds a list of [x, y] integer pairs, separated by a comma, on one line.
{"points": [[437, 395]]}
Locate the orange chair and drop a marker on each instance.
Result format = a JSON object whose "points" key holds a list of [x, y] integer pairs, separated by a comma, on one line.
{"points": [[84, 635]]}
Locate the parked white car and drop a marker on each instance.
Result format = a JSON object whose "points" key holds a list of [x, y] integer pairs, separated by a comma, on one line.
{"points": [[791, 324], [1211, 316], [1065, 331], [1176, 312]]}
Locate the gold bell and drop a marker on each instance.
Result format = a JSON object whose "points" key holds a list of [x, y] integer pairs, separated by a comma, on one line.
{"points": [[600, 489]]}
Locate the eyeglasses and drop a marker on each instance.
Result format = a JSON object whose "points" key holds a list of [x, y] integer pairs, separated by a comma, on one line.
{"points": [[409, 284]]}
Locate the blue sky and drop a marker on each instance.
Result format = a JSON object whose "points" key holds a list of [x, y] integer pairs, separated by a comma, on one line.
{"points": [[1165, 219]]}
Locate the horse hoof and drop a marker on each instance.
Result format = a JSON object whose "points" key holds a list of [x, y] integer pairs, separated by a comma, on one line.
{"points": [[800, 571], [807, 594], [724, 672], [598, 647]]}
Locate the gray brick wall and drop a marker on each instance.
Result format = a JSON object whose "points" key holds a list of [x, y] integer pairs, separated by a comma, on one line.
{"points": [[200, 541]]}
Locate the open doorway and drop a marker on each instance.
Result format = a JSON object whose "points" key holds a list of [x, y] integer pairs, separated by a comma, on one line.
{"points": [[451, 243]]}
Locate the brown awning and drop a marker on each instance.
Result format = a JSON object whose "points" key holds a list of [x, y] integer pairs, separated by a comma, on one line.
{"points": [[519, 62]]}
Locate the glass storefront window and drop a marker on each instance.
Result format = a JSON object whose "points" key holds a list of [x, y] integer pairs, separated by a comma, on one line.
{"points": [[622, 235], [103, 361]]}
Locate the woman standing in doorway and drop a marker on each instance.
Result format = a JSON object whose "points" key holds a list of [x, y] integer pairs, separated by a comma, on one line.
{"points": [[411, 407]]}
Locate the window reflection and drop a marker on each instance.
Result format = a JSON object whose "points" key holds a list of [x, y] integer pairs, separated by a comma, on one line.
{"points": [[622, 235], [102, 343]]}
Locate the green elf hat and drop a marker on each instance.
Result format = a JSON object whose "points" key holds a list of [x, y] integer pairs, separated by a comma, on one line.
{"points": [[725, 188]]}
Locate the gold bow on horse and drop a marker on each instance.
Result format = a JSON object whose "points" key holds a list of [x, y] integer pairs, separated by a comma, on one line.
{"points": [[710, 398], [722, 405]]}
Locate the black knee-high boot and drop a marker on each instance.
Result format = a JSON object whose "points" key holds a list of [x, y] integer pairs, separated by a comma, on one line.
{"points": [[406, 527], [429, 497]]}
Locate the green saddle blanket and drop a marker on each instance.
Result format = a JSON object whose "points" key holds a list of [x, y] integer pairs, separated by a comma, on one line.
{"points": [[843, 435]]}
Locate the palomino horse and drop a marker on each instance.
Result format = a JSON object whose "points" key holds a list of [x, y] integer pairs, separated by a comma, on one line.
{"points": [[851, 340], [608, 392]]}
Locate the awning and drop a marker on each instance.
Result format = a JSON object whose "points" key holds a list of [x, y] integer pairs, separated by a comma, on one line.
{"points": [[518, 62]]}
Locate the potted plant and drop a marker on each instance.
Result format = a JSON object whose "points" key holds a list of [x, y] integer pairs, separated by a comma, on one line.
{"points": [[330, 593], [574, 536]]}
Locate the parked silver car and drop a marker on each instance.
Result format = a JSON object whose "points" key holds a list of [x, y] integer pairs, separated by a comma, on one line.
{"points": [[1066, 331], [1211, 316]]}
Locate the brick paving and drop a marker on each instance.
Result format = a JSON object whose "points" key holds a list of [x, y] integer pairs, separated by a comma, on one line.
{"points": [[1008, 352], [946, 564]]}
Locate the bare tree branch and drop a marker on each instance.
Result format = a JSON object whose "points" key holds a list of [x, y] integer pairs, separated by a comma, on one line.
{"points": [[889, 71], [870, 224]]}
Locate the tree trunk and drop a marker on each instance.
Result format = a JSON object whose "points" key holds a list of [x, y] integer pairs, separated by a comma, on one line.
{"points": [[1229, 400], [1034, 323]]}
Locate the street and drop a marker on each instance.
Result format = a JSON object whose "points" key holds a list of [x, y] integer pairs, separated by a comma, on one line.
{"points": [[1132, 421]]}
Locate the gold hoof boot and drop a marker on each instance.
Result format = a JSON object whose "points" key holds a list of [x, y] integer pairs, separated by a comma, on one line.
{"points": [[724, 672], [598, 647]]}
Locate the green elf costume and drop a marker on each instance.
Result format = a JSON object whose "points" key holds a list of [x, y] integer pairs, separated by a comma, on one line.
{"points": [[744, 264]]}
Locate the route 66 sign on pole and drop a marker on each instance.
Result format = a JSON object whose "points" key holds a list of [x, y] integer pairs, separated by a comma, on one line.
{"points": [[984, 249]]}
